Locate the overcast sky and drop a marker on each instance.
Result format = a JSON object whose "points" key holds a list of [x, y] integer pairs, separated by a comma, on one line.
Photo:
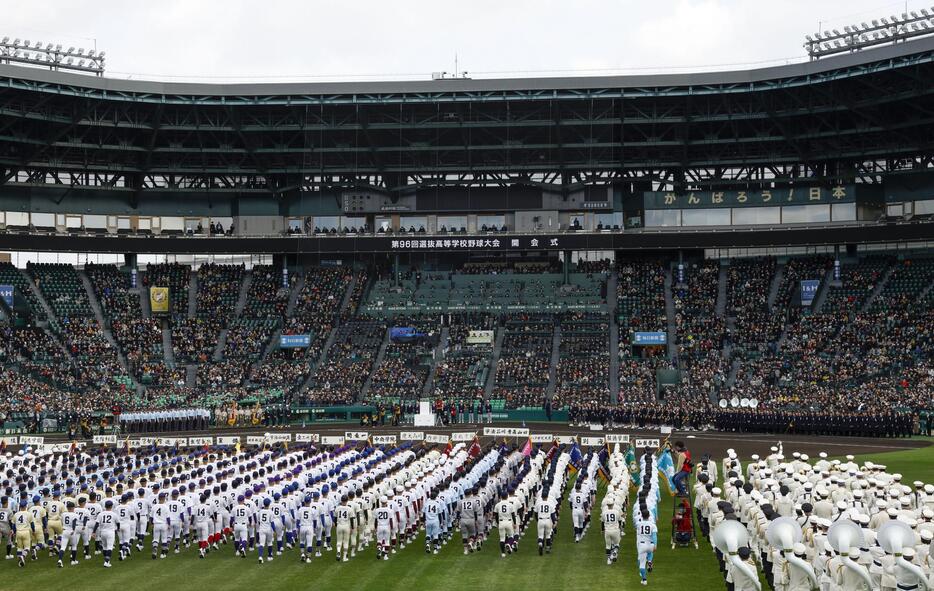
{"points": [[408, 38]]}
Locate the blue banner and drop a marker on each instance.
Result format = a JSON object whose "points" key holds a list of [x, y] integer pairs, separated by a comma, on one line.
{"points": [[650, 338], [809, 291], [6, 292], [294, 341], [404, 333]]}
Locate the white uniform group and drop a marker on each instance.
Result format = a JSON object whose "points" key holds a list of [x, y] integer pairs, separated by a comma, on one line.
{"points": [[268, 501], [819, 496]]}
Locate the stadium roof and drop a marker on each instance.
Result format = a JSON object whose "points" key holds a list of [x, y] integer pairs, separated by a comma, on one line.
{"points": [[851, 117], [124, 89]]}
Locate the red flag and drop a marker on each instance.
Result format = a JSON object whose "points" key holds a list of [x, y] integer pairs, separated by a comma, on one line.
{"points": [[2, 446], [73, 448], [527, 448], [551, 452], [448, 448], [474, 449]]}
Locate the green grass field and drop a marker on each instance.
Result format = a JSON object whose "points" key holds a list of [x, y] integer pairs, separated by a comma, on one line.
{"points": [[570, 566]]}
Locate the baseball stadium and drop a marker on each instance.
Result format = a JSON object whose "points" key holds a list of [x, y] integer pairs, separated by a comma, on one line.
{"points": [[672, 330]]}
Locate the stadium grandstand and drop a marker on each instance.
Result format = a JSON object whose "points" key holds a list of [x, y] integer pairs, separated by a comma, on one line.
{"points": [[689, 248], [248, 316]]}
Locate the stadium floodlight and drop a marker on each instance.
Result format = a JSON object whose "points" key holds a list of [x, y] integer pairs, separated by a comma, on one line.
{"points": [[50, 56], [891, 29]]}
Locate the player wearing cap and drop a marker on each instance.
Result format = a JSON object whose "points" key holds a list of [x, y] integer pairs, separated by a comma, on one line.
{"points": [[6, 530], [308, 520], [161, 522], [432, 514], [203, 515], [240, 517], [545, 510], [506, 520], [70, 536], [54, 509], [266, 528], [126, 523], [40, 522], [646, 538], [23, 527], [469, 508], [105, 528], [610, 519], [94, 509], [385, 526], [344, 517], [578, 501], [177, 512], [143, 505]]}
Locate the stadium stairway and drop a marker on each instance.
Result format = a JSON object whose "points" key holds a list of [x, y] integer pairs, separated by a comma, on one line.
{"points": [[218, 354], [241, 299], [731, 378], [144, 298], [494, 359], [168, 351], [671, 329], [376, 363], [553, 368], [99, 315], [776, 284], [721, 291], [40, 298], [193, 295], [293, 297], [442, 345], [348, 293], [924, 292], [822, 291], [191, 375], [614, 336], [867, 305], [322, 357]]}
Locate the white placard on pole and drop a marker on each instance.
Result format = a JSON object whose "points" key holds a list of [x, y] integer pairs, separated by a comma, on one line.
{"points": [[412, 436], [617, 438]]}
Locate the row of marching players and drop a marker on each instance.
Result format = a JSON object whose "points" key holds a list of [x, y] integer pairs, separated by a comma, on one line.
{"points": [[344, 499], [833, 525]]}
